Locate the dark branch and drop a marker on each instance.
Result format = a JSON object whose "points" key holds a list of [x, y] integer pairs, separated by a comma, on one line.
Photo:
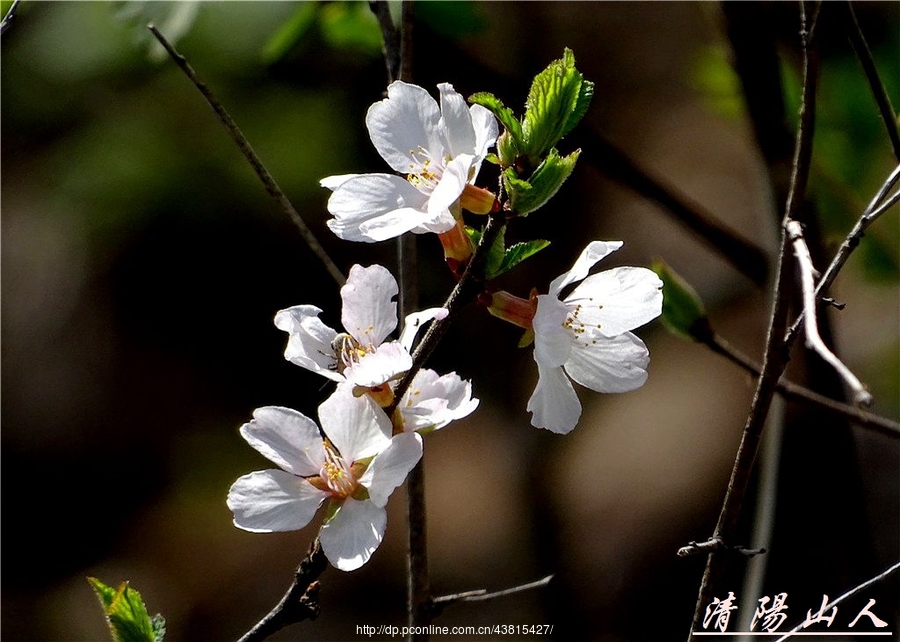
{"points": [[300, 602], [743, 255], [481, 595], [9, 17], [244, 145], [885, 109], [775, 358]]}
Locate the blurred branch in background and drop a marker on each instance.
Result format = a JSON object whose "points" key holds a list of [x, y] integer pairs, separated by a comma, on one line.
{"points": [[244, 145], [775, 359]]}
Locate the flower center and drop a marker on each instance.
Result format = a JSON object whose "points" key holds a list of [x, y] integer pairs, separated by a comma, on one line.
{"points": [[424, 174], [347, 351], [336, 474], [575, 325]]}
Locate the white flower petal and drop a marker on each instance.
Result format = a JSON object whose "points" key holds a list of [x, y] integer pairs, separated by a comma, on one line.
{"points": [[618, 300], [486, 131], [609, 364], [352, 535], [333, 182], [309, 343], [375, 368], [552, 341], [287, 438], [594, 251], [391, 466], [356, 426], [554, 404], [414, 322], [433, 401], [451, 184], [375, 207], [369, 313], [273, 501], [407, 120], [457, 122]]}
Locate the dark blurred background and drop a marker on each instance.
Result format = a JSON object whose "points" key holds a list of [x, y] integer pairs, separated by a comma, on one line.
{"points": [[142, 264]]}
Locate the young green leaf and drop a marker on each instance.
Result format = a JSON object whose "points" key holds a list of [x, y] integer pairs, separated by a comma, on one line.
{"points": [[495, 255], [556, 102], [543, 184], [518, 252], [682, 311], [503, 113], [126, 614]]}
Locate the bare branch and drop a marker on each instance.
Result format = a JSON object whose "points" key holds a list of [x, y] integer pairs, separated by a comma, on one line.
{"points": [[878, 206], [716, 544], [300, 602], [244, 145], [775, 358], [9, 17], [481, 595], [885, 109], [857, 589], [793, 391], [861, 396]]}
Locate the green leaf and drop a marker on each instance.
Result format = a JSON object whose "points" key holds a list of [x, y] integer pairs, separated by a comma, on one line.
{"points": [[585, 95], [556, 102], [682, 311], [543, 184], [503, 113], [518, 252], [126, 614], [495, 255], [290, 33]]}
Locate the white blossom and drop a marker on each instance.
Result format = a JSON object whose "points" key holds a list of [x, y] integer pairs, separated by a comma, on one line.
{"points": [[437, 150], [586, 336], [356, 468]]}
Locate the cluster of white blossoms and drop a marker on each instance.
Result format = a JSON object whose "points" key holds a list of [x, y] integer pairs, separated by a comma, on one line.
{"points": [[364, 454], [361, 454]]}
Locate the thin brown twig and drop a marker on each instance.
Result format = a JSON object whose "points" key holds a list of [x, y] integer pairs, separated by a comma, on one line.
{"points": [[854, 591], [775, 358], [481, 595], [864, 54], [793, 391], [301, 600], [244, 145]]}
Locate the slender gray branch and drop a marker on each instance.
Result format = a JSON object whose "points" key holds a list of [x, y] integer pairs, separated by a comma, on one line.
{"points": [[9, 17], [855, 590], [775, 358], [244, 145], [879, 204], [481, 595], [861, 396]]}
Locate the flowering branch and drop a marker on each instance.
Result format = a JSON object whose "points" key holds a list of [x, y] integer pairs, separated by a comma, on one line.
{"points": [[861, 396], [244, 145], [855, 590], [775, 358]]}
